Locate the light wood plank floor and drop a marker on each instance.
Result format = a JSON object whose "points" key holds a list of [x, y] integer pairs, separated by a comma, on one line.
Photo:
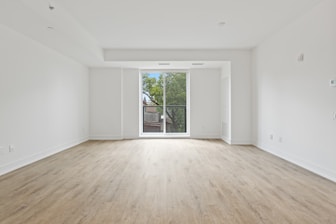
{"points": [[165, 181]]}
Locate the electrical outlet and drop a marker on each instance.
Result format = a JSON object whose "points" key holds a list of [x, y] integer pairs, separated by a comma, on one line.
{"points": [[271, 137]]}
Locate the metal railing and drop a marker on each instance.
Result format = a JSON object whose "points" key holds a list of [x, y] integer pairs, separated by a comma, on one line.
{"points": [[175, 118]]}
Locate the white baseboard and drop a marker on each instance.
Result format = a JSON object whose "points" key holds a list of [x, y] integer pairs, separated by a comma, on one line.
{"points": [[226, 139], [38, 156], [317, 169], [236, 142], [208, 136], [130, 137], [240, 142], [106, 137]]}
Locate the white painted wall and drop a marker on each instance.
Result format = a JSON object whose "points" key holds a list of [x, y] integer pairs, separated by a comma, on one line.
{"points": [[43, 101], [114, 111], [105, 103], [225, 101], [241, 97], [240, 81], [130, 103], [114, 103], [292, 99], [205, 118]]}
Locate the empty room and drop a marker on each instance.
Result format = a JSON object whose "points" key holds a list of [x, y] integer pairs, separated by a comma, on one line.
{"points": [[214, 112]]}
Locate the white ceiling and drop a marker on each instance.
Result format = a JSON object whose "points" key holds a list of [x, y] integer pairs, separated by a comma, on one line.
{"points": [[83, 28], [183, 23], [162, 65]]}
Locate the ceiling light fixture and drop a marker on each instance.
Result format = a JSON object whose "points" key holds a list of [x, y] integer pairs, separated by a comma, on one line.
{"points": [[164, 63], [197, 63], [51, 6]]}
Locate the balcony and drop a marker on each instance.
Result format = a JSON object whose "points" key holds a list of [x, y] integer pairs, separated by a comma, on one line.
{"points": [[172, 121]]}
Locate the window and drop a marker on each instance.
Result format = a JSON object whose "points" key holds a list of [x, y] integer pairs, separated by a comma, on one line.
{"points": [[164, 103]]}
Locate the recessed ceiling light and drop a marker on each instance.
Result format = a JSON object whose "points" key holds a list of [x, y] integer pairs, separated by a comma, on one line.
{"points": [[51, 7], [197, 63], [164, 63], [222, 23]]}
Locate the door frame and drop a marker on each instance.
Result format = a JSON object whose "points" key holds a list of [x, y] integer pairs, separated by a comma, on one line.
{"points": [[164, 134]]}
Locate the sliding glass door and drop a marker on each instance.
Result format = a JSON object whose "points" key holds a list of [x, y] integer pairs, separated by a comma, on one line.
{"points": [[164, 103]]}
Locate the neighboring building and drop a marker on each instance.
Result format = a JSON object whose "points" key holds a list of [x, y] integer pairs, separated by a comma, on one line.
{"points": [[153, 120]]}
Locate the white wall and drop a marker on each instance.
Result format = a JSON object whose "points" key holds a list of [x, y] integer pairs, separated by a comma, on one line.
{"points": [[114, 108], [241, 98], [205, 118], [105, 103], [114, 103], [225, 102], [43, 101], [240, 107], [292, 99], [130, 103]]}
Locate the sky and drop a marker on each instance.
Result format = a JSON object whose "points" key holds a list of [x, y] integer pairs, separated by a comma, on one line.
{"points": [[151, 75], [154, 75]]}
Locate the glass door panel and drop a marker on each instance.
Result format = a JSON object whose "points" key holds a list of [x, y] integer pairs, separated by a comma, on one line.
{"points": [[164, 102], [175, 102], [152, 102]]}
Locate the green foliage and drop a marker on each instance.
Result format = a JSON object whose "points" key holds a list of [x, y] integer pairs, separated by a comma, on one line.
{"points": [[176, 89], [153, 88], [175, 93]]}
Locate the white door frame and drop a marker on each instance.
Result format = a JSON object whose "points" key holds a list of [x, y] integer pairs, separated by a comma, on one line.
{"points": [[164, 134]]}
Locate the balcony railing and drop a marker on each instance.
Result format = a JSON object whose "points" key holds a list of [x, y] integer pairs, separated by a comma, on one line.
{"points": [[175, 118]]}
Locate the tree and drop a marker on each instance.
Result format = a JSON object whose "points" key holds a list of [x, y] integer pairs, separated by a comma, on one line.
{"points": [[174, 85]]}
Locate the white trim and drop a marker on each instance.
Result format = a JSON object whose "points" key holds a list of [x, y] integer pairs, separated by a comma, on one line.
{"points": [[165, 137], [236, 141], [168, 135], [164, 134], [106, 137], [140, 104], [188, 102], [122, 102], [207, 136], [321, 171], [227, 140], [38, 156], [240, 142], [129, 137], [230, 104], [163, 70], [164, 105]]}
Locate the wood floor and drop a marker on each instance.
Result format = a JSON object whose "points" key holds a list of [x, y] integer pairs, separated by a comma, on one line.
{"points": [[165, 181]]}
